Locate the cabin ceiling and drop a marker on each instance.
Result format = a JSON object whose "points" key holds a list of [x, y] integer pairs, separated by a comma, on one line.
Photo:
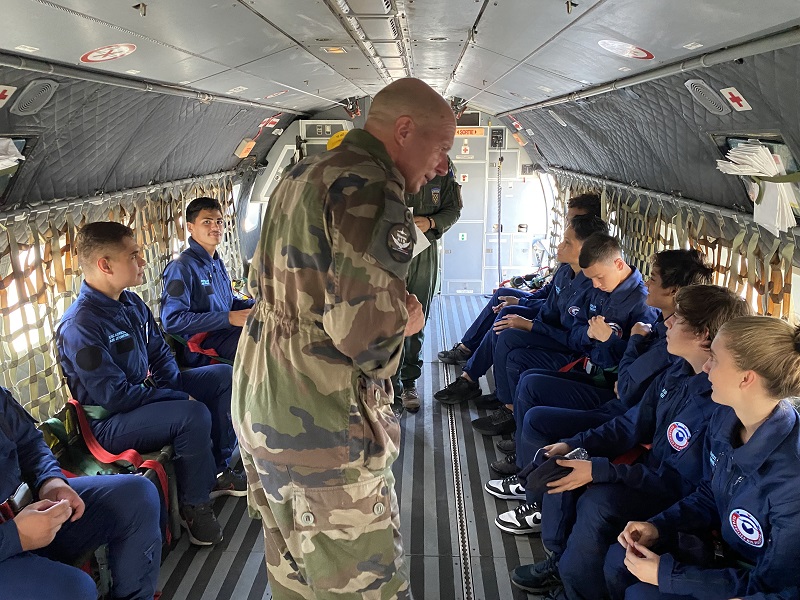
{"points": [[499, 55]]}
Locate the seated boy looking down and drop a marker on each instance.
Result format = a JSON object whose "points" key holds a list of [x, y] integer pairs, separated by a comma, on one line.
{"points": [[121, 370]]}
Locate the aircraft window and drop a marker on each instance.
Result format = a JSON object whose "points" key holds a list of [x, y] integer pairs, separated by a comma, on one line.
{"points": [[6, 177], [253, 217]]}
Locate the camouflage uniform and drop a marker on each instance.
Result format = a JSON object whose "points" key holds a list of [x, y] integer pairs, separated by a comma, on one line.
{"points": [[311, 392], [441, 200]]}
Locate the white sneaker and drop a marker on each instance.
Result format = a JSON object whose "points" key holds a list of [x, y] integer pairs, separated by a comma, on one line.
{"points": [[525, 519], [508, 488]]}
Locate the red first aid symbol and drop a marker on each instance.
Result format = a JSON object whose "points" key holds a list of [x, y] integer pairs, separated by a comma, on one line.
{"points": [[112, 52]]}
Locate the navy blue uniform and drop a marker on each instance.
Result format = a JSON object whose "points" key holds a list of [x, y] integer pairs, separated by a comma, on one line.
{"points": [[623, 307], [751, 496], [196, 299], [581, 525], [549, 337], [121, 510], [529, 306], [119, 367], [551, 406]]}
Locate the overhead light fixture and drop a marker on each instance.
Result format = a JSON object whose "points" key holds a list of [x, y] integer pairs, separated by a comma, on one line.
{"points": [[24, 48], [343, 6], [334, 50], [558, 119], [438, 39], [693, 45], [132, 72]]}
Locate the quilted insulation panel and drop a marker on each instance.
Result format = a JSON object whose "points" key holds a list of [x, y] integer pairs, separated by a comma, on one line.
{"points": [[656, 136]]}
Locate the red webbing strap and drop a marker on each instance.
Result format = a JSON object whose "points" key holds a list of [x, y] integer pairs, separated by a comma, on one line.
{"points": [[631, 455], [581, 361], [6, 514], [193, 343], [131, 456], [68, 474]]}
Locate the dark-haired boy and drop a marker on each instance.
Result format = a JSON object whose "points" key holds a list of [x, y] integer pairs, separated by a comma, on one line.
{"points": [[121, 370], [197, 301]]}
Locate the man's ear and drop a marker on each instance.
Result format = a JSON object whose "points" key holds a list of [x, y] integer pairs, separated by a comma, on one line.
{"points": [[104, 266], [403, 127], [190, 227], [619, 263]]}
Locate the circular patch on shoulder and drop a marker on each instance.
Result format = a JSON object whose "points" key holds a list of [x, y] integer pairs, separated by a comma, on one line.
{"points": [[89, 358], [399, 242], [747, 527], [678, 435], [176, 287]]}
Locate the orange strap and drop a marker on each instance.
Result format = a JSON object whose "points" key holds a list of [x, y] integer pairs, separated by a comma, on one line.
{"points": [[580, 361], [130, 456]]}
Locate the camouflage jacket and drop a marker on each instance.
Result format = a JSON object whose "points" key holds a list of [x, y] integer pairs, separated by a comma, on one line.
{"points": [[439, 199], [325, 335]]}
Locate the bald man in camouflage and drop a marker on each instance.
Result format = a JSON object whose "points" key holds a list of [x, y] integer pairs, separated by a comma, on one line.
{"points": [[311, 391]]}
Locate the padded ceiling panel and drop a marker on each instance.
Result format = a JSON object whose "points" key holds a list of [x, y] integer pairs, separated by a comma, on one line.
{"points": [[220, 31], [92, 138], [657, 136]]}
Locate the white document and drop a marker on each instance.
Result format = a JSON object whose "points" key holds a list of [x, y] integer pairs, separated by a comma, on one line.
{"points": [[422, 242], [9, 155]]}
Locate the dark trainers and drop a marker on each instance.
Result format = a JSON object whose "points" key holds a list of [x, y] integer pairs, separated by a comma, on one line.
{"points": [[201, 523], [459, 391], [508, 488], [525, 519], [455, 356], [538, 577], [488, 402], [499, 422], [558, 593], [507, 446], [506, 465], [230, 483], [410, 399]]}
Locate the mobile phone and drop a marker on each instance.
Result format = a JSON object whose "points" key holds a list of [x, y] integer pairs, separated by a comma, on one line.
{"points": [[20, 499], [577, 454]]}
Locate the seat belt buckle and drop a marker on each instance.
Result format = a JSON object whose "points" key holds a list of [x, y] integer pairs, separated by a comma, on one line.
{"points": [[149, 382]]}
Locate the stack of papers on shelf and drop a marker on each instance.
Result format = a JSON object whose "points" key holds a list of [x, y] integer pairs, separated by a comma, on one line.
{"points": [[774, 212]]}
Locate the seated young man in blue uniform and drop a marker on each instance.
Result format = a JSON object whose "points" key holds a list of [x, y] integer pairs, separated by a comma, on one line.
{"points": [[550, 406], [121, 370], [197, 301], [597, 326], [584, 511], [567, 285], [512, 300], [69, 518], [749, 493]]}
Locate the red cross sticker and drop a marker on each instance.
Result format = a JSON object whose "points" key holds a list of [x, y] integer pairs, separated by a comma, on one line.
{"points": [[6, 91], [735, 99]]}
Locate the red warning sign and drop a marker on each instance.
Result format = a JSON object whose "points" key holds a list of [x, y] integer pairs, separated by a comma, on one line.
{"points": [[271, 121], [625, 49], [106, 53], [6, 91], [275, 94], [515, 123]]}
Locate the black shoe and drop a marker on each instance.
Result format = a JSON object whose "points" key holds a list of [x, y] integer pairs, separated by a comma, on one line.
{"points": [[454, 356], [499, 422], [505, 466], [230, 483], [201, 523], [538, 577], [397, 407], [488, 402], [507, 446], [458, 391], [523, 520]]}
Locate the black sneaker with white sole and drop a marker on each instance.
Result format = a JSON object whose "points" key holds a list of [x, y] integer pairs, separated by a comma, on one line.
{"points": [[201, 523], [508, 488], [523, 520], [230, 483]]}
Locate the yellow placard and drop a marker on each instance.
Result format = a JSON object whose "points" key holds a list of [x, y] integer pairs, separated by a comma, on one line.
{"points": [[470, 131]]}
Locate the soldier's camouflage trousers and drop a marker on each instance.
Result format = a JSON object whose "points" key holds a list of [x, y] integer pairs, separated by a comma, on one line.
{"points": [[340, 541]]}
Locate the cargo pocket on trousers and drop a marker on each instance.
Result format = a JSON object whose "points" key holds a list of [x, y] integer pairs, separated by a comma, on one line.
{"points": [[345, 534]]}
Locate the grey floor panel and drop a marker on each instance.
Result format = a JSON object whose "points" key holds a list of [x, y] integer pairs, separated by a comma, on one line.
{"points": [[426, 493]]}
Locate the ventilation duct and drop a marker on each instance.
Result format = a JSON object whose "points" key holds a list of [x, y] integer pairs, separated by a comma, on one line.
{"points": [[370, 7], [34, 97], [707, 97]]}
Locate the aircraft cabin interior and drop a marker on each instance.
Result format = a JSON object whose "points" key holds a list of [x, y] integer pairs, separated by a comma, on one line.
{"points": [[683, 116]]}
